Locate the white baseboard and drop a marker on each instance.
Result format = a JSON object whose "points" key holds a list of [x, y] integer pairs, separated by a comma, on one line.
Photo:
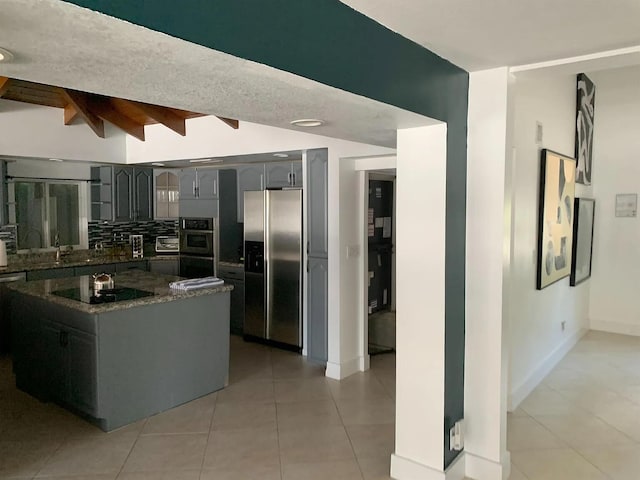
{"points": [[480, 468], [616, 327], [405, 469], [520, 392], [338, 371], [365, 363]]}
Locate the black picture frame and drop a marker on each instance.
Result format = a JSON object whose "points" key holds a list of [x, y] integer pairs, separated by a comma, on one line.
{"points": [[583, 228], [585, 118], [555, 217]]}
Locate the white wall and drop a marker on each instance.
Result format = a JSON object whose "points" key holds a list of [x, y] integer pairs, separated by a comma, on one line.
{"points": [[36, 131], [420, 326], [209, 137], [487, 272], [615, 303], [537, 338]]}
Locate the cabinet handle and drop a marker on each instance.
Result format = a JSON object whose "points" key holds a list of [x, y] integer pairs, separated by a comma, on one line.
{"points": [[289, 176], [215, 187], [293, 184], [64, 339], [194, 188]]}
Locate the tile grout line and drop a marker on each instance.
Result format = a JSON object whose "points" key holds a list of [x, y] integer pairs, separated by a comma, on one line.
{"points": [[273, 385], [206, 445], [120, 471]]}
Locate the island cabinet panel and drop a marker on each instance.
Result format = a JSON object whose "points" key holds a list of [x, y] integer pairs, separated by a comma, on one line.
{"points": [[117, 366], [81, 369], [70, 366]]}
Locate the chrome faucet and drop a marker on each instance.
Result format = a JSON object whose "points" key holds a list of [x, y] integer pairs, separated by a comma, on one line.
{"points": [[57, 245]]}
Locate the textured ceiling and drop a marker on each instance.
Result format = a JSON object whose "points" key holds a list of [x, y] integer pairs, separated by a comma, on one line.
{"points": [[480, 34], [60, 44]]}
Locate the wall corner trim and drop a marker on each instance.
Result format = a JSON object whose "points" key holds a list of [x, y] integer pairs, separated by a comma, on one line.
{"points": [[520, 392], [338, 371], [480, 468], [405, 469]]}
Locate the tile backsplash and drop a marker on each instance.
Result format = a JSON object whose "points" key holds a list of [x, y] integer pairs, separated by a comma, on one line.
{"points": [[105, 232], [9, 233]]}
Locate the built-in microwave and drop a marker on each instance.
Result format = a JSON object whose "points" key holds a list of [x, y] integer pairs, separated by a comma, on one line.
{"points": [[197, 236]]}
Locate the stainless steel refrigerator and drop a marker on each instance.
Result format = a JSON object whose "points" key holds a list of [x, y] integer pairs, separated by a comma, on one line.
{"points": [[273, 266]]}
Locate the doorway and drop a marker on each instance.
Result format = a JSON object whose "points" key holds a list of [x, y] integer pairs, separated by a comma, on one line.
{"points": [[380, 212]]}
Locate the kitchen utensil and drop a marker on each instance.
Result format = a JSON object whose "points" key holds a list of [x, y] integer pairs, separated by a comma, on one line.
{"points": [[102, 281]]}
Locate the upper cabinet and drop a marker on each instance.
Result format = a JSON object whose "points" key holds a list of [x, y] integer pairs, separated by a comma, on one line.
{"points": [[167, 188], [196, 184], [133, 193], [250, 178], [284, 174], [102, 193], [121, 193], [199, 192]]}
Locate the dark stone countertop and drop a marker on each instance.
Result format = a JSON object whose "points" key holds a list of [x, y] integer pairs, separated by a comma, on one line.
{"points": [[152, 282], [67, 262]]}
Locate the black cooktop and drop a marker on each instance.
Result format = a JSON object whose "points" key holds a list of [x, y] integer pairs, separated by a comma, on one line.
{"points": [[106, 295]]}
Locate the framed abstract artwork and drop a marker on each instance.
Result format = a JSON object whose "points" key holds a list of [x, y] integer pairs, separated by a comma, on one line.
{"points": [[555, 217], [585, 107], [584, 214]]}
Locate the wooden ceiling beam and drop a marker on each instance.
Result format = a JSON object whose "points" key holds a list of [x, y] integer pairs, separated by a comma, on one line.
{"points": [[5, 83], [80, 102], [103, 108], [162, 115], [235, 124], [70, 114]]}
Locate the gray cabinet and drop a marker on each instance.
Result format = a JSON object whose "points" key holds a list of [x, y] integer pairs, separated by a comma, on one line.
{"points": [[137, 265], [234, 276], [102, 193], [122, 194], [198, 184], [70, 370], [198, 193], [317, 204], [165, 266], [250, 178], [167, 188], [317, 313], [143, 194], [317, 255], [284, 174]]}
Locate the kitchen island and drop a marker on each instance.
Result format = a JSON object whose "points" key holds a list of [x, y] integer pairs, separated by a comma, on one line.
{"points": [[119, 361]]}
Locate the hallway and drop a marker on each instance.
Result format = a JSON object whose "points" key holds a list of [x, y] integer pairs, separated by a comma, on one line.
{"points": [[583, 421]]}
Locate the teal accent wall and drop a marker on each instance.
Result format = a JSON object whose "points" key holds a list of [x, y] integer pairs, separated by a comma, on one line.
{"points": [[327, 41]]}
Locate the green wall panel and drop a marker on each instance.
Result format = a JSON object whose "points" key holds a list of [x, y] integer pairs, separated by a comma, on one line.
{"points": [[327, 41]]}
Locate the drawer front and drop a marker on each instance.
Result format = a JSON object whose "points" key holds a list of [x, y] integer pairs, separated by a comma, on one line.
{"points": [[236, 274]]}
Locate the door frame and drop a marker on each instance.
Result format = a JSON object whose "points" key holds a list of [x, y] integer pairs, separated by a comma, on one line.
{"points": [[366, 168]]}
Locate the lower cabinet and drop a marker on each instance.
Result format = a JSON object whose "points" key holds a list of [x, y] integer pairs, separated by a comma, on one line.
{"points": [[234, 276], [169, 266], [70, 368]]}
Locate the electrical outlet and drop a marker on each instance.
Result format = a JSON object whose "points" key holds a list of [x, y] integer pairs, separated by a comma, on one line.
{"points": [[539, 133], [456, 436]]}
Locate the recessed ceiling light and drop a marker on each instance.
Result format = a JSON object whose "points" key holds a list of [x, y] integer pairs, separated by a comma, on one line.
{"points": [[206, 160], [307, 122], [5, 55], [158, 164], [56, 160], [280, 155]]}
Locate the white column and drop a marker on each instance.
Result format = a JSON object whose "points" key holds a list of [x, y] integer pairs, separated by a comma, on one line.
{"points": [[420, 317], [487, 270]]}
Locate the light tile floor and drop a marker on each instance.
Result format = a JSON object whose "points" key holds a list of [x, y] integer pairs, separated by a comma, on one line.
{"points": [[583, 421], [281, 419]]}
